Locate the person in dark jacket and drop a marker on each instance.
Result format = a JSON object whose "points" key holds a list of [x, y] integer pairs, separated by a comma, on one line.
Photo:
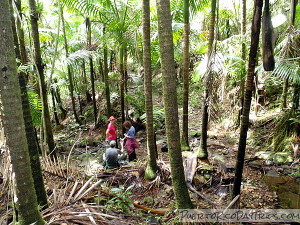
{"points": [[113, 156]]}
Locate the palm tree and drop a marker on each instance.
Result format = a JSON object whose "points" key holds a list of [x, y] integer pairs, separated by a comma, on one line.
{"points": [[29, 128], [202, 151], [170, 103], [151, 169], [106, 80], [70, 75], [186, 77], [13, 125], [242, 79], [40, 70], [255, 30], [92, 76]]}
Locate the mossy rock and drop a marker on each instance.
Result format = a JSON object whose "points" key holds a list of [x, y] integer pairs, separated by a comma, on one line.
{"points": [[195, 133], [264, 154]]}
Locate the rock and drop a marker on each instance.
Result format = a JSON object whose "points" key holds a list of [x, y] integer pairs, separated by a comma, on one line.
{"points": [[264, 155], [272, 173]]}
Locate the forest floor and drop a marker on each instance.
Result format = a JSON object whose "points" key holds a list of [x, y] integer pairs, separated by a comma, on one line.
{"points": [[262, 187], [81, 191]]}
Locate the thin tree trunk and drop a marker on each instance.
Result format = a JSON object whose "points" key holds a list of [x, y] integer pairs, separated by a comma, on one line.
{"points": [[54, 106], [284, 93], [12, 121], [186, 77], [255, 30], [151, 169], [87, 93], [106, 79], [40, 70], [122, 85], [243, 75], [70, 75], [58, 100], [202, 151], [125, 81], [286, 81], [182, 197], [21, 37], [92, 75]]}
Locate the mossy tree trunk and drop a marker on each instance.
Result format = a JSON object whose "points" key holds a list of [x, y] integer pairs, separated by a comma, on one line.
{"points": [[40, 70], [255, 30], [12, 122], [29, 128], [183, 200], [151, 169], [186, 78], [202, 151]]}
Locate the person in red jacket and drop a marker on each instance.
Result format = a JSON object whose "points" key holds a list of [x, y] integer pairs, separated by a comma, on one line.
{"points": [[111, 132]]}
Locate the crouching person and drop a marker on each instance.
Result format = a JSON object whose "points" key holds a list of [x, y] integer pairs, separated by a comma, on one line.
{"points": [[113, 156]]}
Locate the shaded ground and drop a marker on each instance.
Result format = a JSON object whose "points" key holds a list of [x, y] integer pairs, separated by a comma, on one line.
{"points": [[71, 192]]}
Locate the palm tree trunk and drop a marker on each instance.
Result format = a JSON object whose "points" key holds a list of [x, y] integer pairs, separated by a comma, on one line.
{"points": [[54, 106], [122, 84], [186, 77], [125, 81], [284, 93], [243, 75], [255, 30], [70, 75], [202, 151], [183, 200], [40, 69], [20, 30], [12, 122], [87, 93], [92, 75], [151, 169], [286, 81], [29, 128], [58, 100], [106, 79]]}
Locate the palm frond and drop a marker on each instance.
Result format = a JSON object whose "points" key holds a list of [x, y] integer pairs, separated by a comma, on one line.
{"points": [[287, 69], [78, 56], [87, 7], [198, 5]]}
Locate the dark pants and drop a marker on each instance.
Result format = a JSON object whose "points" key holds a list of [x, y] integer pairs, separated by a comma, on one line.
{"points": [[132, 156]]}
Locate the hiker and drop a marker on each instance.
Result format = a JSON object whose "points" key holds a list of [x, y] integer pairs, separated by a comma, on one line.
{"points": [[113, 156], [131, 144], [111, 132]]}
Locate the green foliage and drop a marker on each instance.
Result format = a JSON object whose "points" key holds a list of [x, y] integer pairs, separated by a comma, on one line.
{"points": [[121, 201], [285, 129], [137, 102], [158, 118], [35, 108]]}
